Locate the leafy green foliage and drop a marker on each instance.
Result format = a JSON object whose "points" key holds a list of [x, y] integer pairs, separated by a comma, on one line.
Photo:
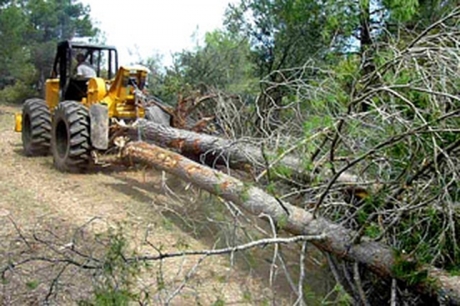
{"points": [[32, 284], [219, 302], [410, 270], [115, 284], [13, 56], [342, 297], [29, 31], [20, 91], [222, 63], [282, 33]]}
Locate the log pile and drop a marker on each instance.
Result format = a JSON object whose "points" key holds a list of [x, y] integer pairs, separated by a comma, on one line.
{"points": [[215, 150], [338, 241]]}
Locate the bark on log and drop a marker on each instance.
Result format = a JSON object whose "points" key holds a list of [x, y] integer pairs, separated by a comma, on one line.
{"points": [[377, 257], [216, 150]]}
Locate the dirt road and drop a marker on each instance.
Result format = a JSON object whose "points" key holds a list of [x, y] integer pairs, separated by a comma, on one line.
{"points": [[154, 211], [36, 196]]}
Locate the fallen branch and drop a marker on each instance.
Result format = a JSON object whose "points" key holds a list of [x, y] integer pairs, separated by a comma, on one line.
{"points": [[233, 249], [338, 240], [180, 115]]}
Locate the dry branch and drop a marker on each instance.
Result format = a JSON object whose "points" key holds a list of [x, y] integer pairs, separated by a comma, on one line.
{"points": [[338, 240], [180, 116]]}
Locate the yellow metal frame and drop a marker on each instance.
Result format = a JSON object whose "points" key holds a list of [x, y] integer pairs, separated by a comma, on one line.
{"points": [[52, 93], [117, 95], [18, 122]]}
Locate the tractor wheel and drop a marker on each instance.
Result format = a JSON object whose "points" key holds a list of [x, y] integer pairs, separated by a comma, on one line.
{"points": [[70, 137], [36, 127]]}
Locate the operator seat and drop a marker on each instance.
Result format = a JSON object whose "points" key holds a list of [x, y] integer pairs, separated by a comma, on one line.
{"points": [[77, 89]]}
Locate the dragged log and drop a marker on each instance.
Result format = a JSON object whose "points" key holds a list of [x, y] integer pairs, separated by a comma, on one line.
{"points": [[338, 241], [215, 150]]}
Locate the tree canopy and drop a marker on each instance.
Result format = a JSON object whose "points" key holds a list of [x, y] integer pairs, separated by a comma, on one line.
{"points": [[30, 30]]}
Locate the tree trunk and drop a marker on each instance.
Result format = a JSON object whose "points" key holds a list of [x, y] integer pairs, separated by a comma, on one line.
{"points": [[338, 240], [366, 44], [215, 150]]}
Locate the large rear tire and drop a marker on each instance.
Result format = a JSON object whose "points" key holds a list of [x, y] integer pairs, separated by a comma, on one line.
{"points": [[36, 127], [70, 137]]}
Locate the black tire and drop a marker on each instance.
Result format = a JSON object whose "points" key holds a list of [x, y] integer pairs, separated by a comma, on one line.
{"points": [[36, 127], [70, 137]]}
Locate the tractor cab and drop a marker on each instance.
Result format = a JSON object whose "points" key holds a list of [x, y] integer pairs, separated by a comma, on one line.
{"points": [[65, 84]]}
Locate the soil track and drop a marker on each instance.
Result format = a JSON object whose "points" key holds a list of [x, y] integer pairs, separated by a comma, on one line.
{"points": [[34, 195]]}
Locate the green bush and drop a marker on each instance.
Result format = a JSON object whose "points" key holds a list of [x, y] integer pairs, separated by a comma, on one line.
{"points": [[17, 93]]}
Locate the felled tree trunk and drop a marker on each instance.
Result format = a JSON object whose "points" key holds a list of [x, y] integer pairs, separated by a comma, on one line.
{"points": [[215, 150], [375, 256]]}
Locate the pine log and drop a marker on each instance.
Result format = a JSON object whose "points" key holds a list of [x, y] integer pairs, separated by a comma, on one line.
{"points": [[375, 256], [215, 150]]}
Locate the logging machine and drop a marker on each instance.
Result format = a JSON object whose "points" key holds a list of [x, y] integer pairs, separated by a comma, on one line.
{"points": [[78, 113]]}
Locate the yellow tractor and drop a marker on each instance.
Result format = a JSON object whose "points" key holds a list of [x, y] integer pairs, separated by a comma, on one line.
{"points": [[75, 118]]}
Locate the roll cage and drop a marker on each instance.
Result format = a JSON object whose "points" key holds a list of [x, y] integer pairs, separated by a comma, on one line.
{"points": [[104, 60]]}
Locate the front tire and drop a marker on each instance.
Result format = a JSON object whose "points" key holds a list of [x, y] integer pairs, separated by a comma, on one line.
{"points": [[36, 127], [70, 137]]}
